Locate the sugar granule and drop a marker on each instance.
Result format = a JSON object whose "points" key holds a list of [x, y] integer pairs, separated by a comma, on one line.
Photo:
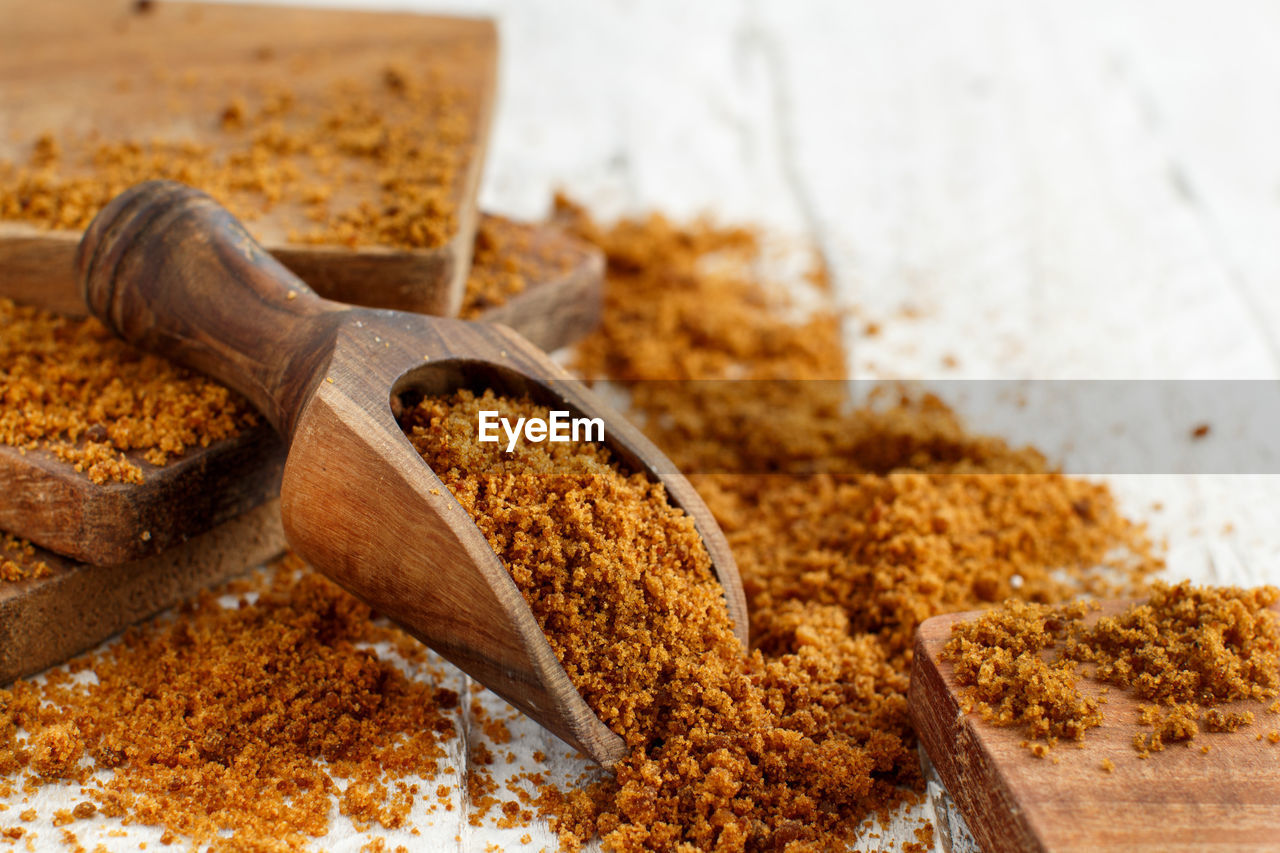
{"points": [[232, 726]]}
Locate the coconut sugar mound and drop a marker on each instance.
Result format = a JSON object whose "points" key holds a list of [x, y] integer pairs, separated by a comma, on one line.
{"points": [[999, 660], [1185, 650], [727, 751], [232, 726], [70, 387]]}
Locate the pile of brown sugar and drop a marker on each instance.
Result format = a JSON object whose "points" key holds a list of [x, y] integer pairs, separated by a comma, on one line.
{"points": [[233, 726], [377, 160], [726, 751], [850, 524], [1186, 650], [891, 509], [1000, 661], [828, 677], [576, 533], [69, 386]]}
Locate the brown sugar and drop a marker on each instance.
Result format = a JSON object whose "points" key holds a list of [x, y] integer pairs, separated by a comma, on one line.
{"points": [[999, 660], [1217, 720], [232, 726], [500, 265], [1185, 650], [721, 754], [576, 552], [727, 751], [72, 388], [1188, 644], [850, 524], [507, 259], [55, 751], [18, 562], [881, 515]]}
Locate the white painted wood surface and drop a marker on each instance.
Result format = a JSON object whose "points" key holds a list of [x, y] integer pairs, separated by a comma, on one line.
{"points": [[1082, 190]]}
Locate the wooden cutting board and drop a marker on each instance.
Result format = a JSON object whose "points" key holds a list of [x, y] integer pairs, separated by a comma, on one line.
{"points": [[52, 505], [92, 71], [1177, 799]]}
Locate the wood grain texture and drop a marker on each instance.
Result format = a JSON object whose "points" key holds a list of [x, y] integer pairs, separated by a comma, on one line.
{"points": [[172, 272], [44, 621], [1177, 799], [80, 66], [50, 503]]}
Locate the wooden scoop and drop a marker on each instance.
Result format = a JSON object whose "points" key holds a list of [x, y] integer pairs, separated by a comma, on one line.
{"points": [[170, 271]]}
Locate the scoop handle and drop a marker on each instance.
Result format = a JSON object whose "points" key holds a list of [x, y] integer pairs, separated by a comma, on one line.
{"points": [[170, 271]]}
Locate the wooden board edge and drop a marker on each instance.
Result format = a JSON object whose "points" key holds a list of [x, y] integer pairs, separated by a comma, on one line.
{"points": [[190, 495], [37, 267], [44, 621], [946, 733]]}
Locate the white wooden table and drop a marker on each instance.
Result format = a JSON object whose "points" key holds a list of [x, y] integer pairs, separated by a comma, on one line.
{"points": [[1053, 190]]}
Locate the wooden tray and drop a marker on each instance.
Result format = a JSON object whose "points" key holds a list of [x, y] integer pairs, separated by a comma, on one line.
{"points": [[85, 69], [1177, 799]]}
